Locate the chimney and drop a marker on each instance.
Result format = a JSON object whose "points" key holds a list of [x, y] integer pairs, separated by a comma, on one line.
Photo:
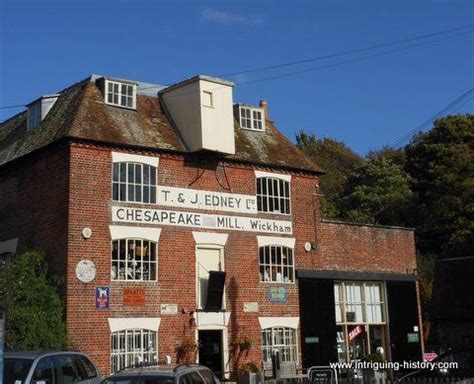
{"points": [[264, 106]]}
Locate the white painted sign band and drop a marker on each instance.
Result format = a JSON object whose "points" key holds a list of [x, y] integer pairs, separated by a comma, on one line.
{"points": [[208, 200], [199, 220]]}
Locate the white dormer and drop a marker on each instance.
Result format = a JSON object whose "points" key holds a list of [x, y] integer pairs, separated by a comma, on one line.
{"points": [[201, 108], [250, 117], [38, 109], [119, 93]]}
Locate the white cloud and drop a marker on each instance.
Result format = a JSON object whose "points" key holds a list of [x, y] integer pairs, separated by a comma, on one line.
{"points": [[213, 15]]}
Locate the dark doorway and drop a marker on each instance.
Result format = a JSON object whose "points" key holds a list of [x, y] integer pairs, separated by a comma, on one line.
{"points": [[210, 350]]}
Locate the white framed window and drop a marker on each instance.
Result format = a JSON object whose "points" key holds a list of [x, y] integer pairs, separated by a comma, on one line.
{"points": [[283, 340], [276, 264], [360, 319], [130, 347], [251, 118], [273, 195], [207, 99], [134, 182], [134, 260], [120, 94]]}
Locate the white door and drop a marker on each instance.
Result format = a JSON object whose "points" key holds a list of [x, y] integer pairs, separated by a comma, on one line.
{"points": [[208, 259]]}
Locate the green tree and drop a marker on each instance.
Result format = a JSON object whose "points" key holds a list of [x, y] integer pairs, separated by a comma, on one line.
{"points": [[33, 306], [395, 155], [441, 165], [337, 160], [377, 192]]}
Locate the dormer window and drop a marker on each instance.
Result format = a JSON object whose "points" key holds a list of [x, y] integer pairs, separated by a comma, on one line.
{"points": [[251, 118], [120, 94]]}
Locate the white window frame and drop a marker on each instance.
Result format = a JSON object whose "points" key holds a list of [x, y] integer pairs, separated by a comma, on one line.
{"points": [[127, 351], [279, 267], [254, 123], [210, 95], [120, 93], [343, 302], [115, 262], [152, 187], [266, 197], [293, 348]]}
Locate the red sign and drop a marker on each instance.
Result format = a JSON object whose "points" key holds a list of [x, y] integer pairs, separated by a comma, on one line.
{"points": [[430, 356], [134, 297], [355, 332]]}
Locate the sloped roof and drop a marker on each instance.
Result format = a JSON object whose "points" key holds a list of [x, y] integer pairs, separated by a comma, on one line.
{"points": [[80, 112]]}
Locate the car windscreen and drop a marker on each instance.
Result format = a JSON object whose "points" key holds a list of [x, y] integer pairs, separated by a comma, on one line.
{"points": [[15, 370]]}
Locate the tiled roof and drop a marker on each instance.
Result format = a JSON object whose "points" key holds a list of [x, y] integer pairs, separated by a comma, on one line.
{"points": [[80, 112]]}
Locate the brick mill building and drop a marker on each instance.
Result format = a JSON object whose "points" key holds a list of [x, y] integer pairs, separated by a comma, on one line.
{"points": [[177, 216]]}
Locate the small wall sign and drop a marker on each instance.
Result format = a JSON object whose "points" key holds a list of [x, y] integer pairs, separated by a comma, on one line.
{"points": [[326, 375], [311, 340], [85, 271], [251, 307], [430, 356], [133, 297], [102, 298], [278, 295], [169, 309], [413, 337]]}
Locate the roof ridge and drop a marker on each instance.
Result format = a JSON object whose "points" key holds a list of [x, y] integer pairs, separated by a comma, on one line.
{"points": [[73, 114]]}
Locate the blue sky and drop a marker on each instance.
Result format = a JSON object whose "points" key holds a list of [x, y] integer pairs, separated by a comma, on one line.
{"points": [[48, 45]]}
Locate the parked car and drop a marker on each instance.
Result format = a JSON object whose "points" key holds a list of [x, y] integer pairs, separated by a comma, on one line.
{"points": [[49, 368], [464, 358], [164, 374]]}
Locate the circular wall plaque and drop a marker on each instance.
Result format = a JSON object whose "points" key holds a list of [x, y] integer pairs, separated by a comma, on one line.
{"points": [[86, 233], [85, 271], [307, 246]]}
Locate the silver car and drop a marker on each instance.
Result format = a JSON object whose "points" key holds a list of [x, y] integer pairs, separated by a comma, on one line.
{"points": [[49, 368], [164, 374]]}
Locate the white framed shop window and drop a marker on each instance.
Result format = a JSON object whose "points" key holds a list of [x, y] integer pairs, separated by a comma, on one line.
{"points": [[279, 334], [360, 318], [276, 259], [134, 253], [133, 341], [134, 178], [273, 192]]}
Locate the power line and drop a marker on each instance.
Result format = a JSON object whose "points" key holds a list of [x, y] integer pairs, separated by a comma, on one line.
{"points": [[344, 53], [351, 60], [464, 98], [12, 106], [339, 63], [328, 56]]}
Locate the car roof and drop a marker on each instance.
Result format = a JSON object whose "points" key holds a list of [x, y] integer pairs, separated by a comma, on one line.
{"points": [[158, 370], [32, 355]]}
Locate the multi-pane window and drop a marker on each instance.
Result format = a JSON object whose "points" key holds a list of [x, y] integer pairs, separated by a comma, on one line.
{"points": [[131, 347], [279, 339], [276, 264], [251, 118], [358, 302], [245, 118], [360, 318], [273, 195], [134, 182], [121, 94], [134, 260]]}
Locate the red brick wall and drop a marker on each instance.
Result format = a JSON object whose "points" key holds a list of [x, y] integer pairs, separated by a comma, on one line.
{"points": [[33, 204], [364, 248], [47, 201], [90, 207]]}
